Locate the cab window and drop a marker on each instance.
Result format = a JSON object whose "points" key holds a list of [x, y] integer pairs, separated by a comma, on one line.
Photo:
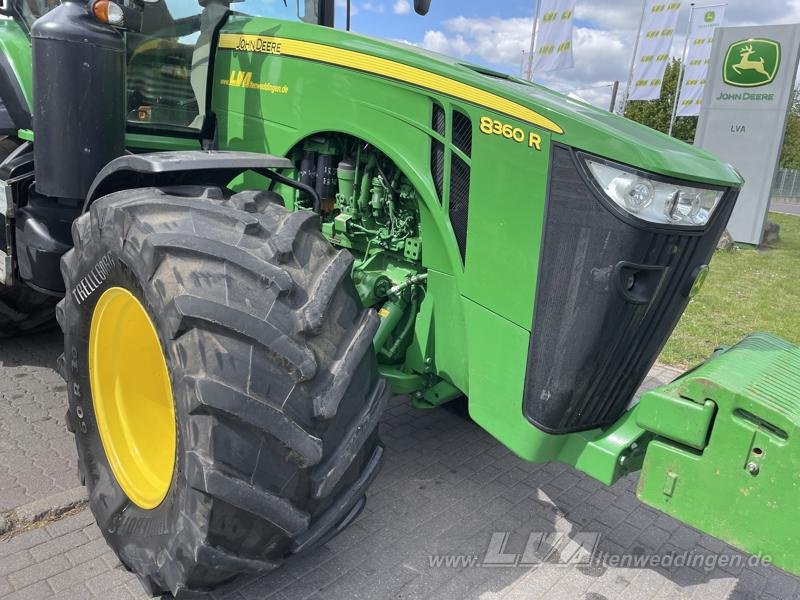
{"points": [[168, 61]]}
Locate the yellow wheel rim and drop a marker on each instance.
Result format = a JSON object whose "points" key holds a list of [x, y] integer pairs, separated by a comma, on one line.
{"points": [[132, 397]]}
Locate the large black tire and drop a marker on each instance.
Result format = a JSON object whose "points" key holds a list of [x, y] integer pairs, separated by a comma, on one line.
{"points": [[23, 309], [276, 391]]}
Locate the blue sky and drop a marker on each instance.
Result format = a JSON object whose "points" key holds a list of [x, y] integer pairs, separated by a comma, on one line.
{"points": [[494, 33], [379, 17]]}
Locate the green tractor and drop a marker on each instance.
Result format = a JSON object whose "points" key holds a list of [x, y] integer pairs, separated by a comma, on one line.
{"points": [[254, 229]]}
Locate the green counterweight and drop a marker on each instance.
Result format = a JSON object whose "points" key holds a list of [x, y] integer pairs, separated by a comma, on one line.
{"points": [[738, 477]]}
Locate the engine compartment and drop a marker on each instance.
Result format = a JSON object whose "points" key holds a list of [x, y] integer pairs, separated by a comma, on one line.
{"points": [[368, 206]]}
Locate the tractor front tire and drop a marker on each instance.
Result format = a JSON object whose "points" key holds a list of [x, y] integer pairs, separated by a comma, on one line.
{"points": [[23, 310], [222, 386]]}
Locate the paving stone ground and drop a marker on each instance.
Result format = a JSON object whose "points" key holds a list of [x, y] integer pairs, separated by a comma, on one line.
{"points": [[446, 489], [37, 454]]}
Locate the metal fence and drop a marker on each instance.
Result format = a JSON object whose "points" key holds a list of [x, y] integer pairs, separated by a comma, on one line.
{"points": [[787, 186]]}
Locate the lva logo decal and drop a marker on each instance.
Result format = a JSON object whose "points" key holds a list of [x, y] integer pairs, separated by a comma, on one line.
{"points": [[751, 63]]}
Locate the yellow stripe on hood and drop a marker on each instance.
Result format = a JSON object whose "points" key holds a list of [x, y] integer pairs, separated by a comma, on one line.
{"points": [[385, 68]]}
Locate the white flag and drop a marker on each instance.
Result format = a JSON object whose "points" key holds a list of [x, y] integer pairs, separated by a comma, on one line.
{"points": [[554, 36], [697, 58], [652, 55]]}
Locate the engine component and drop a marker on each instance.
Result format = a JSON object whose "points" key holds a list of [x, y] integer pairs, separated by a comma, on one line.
{"points": [[370, 208], [327, 181], [346, 174], [308, 169]]}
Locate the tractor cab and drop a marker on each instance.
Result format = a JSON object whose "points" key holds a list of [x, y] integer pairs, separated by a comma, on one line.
{"points": [[168, 46], [169, 57], [161, 14]]}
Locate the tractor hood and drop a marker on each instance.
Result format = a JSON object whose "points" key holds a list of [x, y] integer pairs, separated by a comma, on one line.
{"points": [[571, 122], [585, 126], [600, 132]]}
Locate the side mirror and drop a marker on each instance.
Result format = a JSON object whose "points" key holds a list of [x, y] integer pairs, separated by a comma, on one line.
{"points": [[421, 7]]}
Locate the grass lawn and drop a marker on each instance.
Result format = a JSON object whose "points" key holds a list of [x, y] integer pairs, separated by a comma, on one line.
{"points": [[746, 291]]}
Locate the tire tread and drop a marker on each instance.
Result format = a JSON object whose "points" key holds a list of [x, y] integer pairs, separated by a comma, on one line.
{"points": [[310, 327]]}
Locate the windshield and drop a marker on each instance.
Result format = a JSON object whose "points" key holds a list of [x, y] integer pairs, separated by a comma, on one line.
{"points": [[305, 10], [169, 58], [301, 10]]}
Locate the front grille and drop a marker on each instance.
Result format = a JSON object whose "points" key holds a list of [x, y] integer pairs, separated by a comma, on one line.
{"points": [[594, 339]]}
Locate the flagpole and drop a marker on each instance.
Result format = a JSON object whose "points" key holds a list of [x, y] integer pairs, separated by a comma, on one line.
{"points": [[533, 40], [633, 58], [681, 71]]}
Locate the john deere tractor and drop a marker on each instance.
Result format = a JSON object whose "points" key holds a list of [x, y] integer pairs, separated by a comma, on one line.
{"points": [[253, 228]]}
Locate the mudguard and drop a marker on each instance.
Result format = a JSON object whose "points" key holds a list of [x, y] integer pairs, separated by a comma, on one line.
{"points": [[180, 167]]}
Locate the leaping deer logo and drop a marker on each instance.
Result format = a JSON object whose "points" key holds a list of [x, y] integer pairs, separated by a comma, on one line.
{"points": [[751, 62], [745, 64]]}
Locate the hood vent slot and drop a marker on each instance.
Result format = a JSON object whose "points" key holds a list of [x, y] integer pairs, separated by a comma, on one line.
{"points": [[450, 167], [437, 151], [459, 202], [462, 132]]}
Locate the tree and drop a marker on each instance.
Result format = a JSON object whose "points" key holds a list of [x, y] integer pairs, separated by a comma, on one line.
{"points": [[657, 113], [790, 157]]}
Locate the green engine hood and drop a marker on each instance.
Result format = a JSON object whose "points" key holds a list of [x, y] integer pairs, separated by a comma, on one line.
{"points": [[612, 136], [577, 123]]}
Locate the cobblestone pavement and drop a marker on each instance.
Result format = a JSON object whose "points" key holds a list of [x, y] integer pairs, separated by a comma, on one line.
{"points": [[37, 454], [446, 488]]}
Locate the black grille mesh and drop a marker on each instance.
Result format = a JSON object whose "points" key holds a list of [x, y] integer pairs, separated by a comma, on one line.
{"points": [[462, 132], [591, 347], [437, 151], [437, 167], [438, 120], [459, 201]]}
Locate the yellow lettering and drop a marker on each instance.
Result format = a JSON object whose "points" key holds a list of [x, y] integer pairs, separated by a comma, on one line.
{"points": [[491, 126]]}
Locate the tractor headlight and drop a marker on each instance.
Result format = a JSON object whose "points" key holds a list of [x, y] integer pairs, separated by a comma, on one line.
{"points": [[654, 200]]}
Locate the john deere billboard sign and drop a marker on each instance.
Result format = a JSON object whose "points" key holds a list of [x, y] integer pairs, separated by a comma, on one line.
{"points": [[751, 63], [743, 113]]}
